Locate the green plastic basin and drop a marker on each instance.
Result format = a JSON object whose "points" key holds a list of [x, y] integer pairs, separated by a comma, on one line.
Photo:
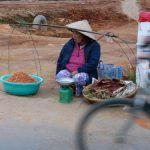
{"points": [[21, 89]]}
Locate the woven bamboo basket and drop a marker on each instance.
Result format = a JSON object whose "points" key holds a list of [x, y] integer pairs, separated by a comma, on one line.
{"points": [[131, 94]]}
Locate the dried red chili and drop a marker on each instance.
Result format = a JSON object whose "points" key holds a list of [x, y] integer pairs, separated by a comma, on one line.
{"points": [[21, 77]]}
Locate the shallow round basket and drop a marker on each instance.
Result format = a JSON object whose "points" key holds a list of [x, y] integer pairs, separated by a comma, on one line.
{"points": [[21, 89], [96, 100]]}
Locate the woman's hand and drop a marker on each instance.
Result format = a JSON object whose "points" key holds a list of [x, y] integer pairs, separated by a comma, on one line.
{"points": [[74, 72]]}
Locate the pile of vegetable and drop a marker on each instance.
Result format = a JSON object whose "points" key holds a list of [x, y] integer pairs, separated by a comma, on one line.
{"points": [[103, 89]]}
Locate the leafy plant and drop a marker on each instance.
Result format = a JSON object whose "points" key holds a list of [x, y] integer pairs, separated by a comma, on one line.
{"points": [[132, 76], [131, 73]]}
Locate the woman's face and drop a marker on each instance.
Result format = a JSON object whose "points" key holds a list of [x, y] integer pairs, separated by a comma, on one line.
{"points": [[78, 37]]}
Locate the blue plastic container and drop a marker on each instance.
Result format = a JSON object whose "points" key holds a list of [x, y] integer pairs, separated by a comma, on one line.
{"points": [[110, 71], [104, 70], [21, 89], [118, 72], [105, 66]]}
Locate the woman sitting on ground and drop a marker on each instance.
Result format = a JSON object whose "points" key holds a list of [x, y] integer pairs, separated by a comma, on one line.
{"points": [[80, 56]]}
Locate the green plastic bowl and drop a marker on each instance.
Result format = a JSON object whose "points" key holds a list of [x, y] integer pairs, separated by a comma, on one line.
{"points": [[21, 89]]}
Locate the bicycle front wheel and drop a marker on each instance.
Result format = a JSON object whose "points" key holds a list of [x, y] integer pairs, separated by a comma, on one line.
{"points": [[98, 129]]}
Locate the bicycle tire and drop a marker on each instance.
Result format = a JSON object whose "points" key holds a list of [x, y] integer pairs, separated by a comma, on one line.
{"points": [[80, 138]]}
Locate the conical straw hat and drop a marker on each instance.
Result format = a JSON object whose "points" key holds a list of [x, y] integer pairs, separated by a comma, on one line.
{"points": [[82, 25]]}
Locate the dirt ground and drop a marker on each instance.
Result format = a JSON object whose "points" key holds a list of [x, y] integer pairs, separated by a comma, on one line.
{"points": [[36, 52], [21, 44]]}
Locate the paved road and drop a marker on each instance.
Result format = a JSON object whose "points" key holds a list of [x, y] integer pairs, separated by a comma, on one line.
{"points": [[41, 123]]}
